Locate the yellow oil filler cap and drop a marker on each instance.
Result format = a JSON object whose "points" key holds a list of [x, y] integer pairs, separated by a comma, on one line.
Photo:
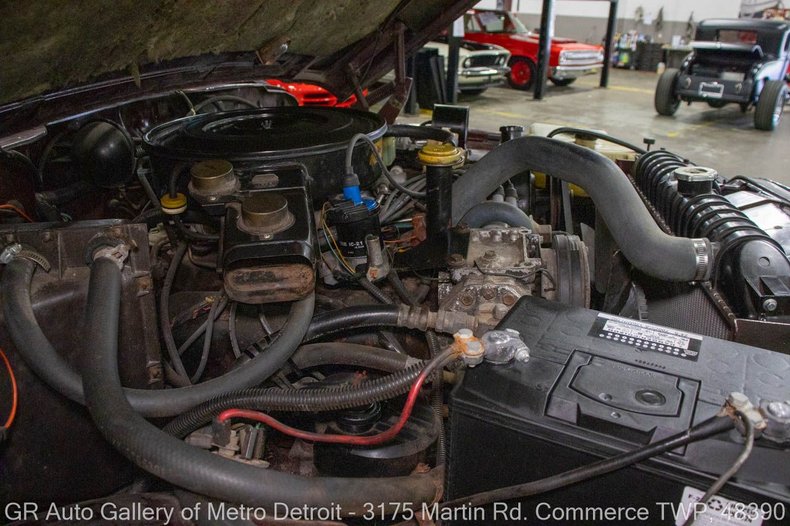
{"points": [[440, 154]]}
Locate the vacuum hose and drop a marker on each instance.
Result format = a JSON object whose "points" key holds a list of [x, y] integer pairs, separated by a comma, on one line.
{"points": [[488, 212], [194, 469], [645, 245]]}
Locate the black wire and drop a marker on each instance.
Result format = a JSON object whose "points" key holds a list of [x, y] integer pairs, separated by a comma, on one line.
{"points": [[234, 339], [212, 316], [191, 234], [223, 301], [566, 130], [164, 314], [727, 475], [709, 427]]}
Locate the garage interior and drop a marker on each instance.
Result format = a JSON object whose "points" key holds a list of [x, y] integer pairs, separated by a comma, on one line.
{"points": [[723, 137]]}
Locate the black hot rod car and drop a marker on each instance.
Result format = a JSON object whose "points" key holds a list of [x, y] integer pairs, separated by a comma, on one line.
{"points": [[740, 61]]}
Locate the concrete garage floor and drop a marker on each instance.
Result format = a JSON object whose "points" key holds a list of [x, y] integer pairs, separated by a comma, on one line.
{"points": [[723, 139]]}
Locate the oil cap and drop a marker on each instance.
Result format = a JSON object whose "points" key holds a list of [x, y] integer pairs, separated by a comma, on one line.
{"points": [[173, 205]]}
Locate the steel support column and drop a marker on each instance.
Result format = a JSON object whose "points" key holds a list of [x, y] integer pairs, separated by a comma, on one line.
{"points": [[544, 48]]}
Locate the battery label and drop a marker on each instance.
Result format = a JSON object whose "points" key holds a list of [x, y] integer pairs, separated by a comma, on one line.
{"points": [[647, 337], [719, 511]]}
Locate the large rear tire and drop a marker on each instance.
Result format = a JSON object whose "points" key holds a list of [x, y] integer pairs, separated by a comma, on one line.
{"points": [[665, 100], [522, 73], [768, 111]]}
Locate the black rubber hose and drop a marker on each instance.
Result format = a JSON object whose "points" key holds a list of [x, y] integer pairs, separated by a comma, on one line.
{"points": [[197, 470], [488, 212], [67, 194], [400, 289], [645, 245], [354, 354], [566, 130], [374, 291], [420, 133], [355, 317], [701, 431], [307, 400], [46, 362]]}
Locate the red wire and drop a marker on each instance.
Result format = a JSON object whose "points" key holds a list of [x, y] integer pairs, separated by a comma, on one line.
{"points": [[367, 440], [14, 395], [18, 211]]}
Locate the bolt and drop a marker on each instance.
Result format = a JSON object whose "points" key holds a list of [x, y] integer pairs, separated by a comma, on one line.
{"points": [[467, 299], [464, 335], [770, 305], [46, 236], [522, 355], [10, 252], [488, 293], [738, 400], [455, 260], [508, 299], [500, 311], [490, 254]]}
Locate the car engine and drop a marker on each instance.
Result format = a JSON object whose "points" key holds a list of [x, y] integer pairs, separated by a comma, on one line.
{"points": [[220, 297]]}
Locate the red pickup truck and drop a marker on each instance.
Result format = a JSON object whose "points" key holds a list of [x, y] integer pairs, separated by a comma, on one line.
{"points": [[569, 59]]}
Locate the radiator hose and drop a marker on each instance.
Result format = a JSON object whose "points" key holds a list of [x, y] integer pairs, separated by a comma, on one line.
{"points": [[645, 245], [194, 469], [39, 354]]}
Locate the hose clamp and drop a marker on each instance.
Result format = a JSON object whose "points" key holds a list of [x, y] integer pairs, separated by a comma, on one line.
{"points": [[17, 251], [117, 254], [702, 255]]}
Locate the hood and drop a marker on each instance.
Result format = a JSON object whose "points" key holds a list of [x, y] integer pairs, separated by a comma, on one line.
{"points": [[129, 48], [555, 41]]}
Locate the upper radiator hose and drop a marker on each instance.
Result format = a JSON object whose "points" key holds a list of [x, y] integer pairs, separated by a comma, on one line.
{"points": [[645, 245]]}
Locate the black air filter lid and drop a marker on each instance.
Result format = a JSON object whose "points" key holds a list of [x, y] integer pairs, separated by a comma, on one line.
{"points": [[269, 133]]}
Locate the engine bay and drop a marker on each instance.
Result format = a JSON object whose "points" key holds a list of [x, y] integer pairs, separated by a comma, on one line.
{"points": [[215, 296]]}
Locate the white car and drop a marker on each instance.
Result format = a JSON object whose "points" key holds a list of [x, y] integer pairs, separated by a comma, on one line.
{"points": [[480, 66]]}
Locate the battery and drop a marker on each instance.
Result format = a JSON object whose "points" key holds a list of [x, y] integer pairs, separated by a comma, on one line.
{"points": [[595, 386]]}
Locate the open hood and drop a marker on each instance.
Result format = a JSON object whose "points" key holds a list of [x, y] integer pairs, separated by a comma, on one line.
{"points": [[55, 54]]}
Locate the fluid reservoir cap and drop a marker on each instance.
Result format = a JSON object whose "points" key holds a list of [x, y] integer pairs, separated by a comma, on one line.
{"points": [[267, 212], [212, 176], [173, 205], [440, 154], [695, 174], [695, 180]]}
